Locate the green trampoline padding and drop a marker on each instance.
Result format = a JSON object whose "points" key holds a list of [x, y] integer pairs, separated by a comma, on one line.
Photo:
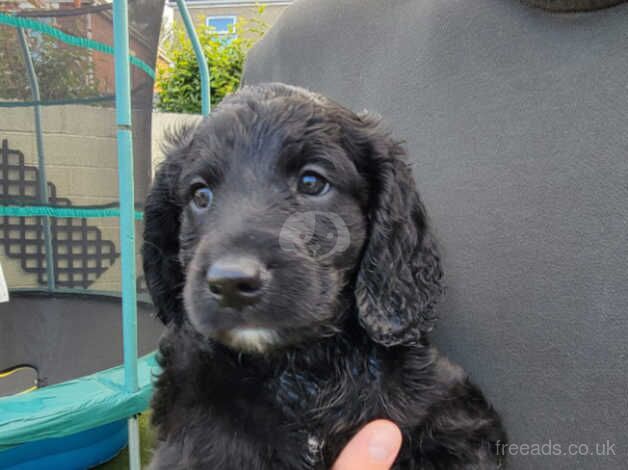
{"points": [[64, 212], [74, 406]]}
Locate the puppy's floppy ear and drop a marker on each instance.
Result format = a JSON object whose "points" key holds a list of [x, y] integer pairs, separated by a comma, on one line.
{"points": [[400, 277], [160, 251]]}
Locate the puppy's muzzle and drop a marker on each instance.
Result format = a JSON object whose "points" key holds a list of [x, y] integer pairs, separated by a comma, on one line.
{"points": [[237, 281]]}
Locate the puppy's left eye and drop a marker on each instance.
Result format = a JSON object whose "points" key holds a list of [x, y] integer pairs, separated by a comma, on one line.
{"points": [[312, 184], [202, 197]]}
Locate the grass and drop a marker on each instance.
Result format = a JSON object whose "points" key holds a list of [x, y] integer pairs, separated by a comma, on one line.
{"points": [[147, 439]]}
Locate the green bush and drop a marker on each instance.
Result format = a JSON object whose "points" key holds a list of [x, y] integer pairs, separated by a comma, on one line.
{"points": [[179, 83]]}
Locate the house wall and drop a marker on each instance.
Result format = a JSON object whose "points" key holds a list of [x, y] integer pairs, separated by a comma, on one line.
{"points": [[270, 16], [81, 161], [80, 153]]}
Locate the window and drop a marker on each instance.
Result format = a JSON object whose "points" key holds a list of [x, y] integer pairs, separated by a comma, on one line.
{"points": [[222, 24]]}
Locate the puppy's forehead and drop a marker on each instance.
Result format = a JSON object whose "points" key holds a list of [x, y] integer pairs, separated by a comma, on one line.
{"points": [[267, 132], [281, 117]]}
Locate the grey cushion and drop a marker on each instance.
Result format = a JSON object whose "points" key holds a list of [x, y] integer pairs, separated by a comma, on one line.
{"points": [[517, 121]]}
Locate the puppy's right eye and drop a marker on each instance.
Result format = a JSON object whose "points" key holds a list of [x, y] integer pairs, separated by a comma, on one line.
{"points": [[312, 184], [202, 197]]}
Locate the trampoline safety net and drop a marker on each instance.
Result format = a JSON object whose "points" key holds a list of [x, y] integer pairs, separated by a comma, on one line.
{"points": [[58, 161]]}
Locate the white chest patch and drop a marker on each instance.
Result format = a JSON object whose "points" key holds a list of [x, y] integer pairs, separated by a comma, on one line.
{"points": [[253, 339]]}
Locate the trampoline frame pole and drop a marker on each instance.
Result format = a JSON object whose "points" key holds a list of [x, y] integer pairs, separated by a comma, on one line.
{"points": [[203, 68], [41, 161], [127, 222]]}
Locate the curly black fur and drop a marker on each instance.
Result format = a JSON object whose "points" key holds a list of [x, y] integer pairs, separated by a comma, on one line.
{"points": [[348, 337]]}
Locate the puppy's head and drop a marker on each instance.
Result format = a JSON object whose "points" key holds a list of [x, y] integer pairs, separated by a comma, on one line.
{"points": [[281, 215]]}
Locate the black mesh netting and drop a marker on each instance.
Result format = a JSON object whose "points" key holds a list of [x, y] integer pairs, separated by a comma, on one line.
{"points": [[56, 60]]}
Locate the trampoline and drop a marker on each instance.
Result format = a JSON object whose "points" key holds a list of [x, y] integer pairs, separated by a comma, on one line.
{"points": [[76, 76], [75, 390]]}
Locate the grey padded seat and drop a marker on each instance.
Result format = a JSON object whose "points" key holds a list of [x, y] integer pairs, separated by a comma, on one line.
{"points": [[516, 119]]}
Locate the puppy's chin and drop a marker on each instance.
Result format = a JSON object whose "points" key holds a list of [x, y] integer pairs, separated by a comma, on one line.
{"points": [[251, 339]]}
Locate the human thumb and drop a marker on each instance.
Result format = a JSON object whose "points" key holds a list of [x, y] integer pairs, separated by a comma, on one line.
{"points": [[374, 447]]}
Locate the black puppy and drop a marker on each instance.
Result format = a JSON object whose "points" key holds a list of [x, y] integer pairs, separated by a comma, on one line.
{"points": [[288, 250]]}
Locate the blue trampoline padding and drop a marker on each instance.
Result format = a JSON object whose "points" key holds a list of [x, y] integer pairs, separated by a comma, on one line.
{"points": [[77, 451], [74, 406]]}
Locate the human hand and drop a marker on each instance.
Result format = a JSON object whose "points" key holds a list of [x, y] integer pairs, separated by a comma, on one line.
{"points": [[374, 447]]}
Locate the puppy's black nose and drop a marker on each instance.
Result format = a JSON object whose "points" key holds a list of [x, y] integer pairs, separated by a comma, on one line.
{"points": [[236, 281]]}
